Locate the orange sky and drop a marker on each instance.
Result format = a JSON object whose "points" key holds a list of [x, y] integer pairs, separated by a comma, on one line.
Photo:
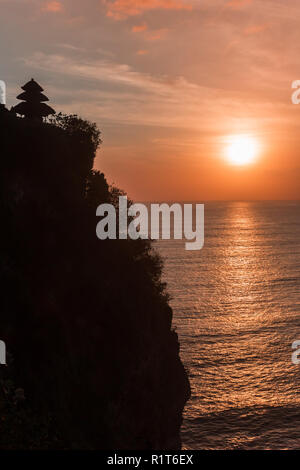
{"points": [[168, 81]]}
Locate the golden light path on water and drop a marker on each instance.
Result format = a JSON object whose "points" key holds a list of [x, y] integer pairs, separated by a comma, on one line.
{"points": [[236, 306]]}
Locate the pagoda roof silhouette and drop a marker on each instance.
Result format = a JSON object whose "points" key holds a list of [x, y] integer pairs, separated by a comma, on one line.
{"points": [[29, 94], [33, 102], [32, 85]]}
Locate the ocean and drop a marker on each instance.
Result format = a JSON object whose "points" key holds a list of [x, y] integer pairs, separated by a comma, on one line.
{"points": [[237, 312]]}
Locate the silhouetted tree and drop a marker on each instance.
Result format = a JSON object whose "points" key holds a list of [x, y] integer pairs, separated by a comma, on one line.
{"points": [[84, 137]]}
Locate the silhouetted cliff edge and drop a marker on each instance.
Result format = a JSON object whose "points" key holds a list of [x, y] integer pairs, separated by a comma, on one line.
{"points": [[86, 322]]}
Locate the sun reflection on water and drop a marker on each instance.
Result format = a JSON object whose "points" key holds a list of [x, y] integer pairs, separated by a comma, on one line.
{"points": [[236, 305]]}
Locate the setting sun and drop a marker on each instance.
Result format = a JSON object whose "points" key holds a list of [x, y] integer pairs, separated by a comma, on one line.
{"points": [[241, 150]]}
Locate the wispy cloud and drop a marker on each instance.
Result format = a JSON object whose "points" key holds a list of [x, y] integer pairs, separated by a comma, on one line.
{"points": [[117, 93], [155, 35], [236, 4], [139, 28], [53, 7], [142, 52], [108, 71], [121, 9], [255, 29], [149, 35]]}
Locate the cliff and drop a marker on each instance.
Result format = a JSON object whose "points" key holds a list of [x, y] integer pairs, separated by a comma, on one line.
{"points": [[86, 322]]}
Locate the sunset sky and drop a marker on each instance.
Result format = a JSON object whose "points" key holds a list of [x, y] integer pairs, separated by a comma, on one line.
{"points": [[170, 83]]}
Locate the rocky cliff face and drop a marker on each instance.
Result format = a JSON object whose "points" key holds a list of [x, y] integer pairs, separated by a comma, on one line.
{"points": [[87, 322]]}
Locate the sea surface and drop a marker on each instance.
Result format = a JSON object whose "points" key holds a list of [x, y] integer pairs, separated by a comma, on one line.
{"points": [[237, 312]]}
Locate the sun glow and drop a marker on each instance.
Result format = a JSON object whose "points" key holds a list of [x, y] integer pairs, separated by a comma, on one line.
{"points": [[241, 150]]}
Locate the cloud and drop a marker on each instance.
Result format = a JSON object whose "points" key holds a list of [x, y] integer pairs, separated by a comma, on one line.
{"points": [[120, 93], [53, 7], [139, 28], [149, 35], [142, 52], [121, 9], [255, 29], [104, 70], [236, 4], [157, 34], [116, 92]]}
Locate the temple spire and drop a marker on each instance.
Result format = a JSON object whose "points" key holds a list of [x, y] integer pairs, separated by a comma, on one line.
{"points": [[33, 102]]}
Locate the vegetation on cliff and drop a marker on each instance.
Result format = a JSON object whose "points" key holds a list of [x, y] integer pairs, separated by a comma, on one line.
{"points": [[87, 322]]}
